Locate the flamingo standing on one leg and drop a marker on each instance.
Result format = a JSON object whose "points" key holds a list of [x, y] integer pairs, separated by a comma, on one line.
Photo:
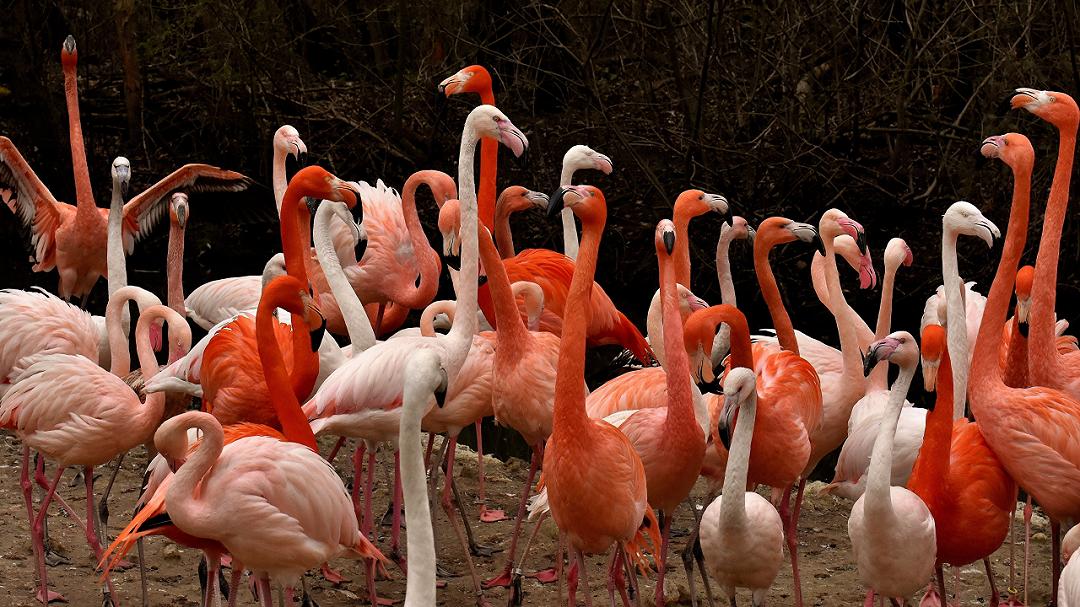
{"points": [[892, 531], [1029, 429]]}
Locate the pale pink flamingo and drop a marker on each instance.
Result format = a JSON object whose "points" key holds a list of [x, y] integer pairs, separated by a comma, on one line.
{"points": [[892, 532], [1046, 365], [70, 410], [1029, 429], [73, 238], [742, 535], [576, 158], [1069, 585], [737, 229], [361, 399]]}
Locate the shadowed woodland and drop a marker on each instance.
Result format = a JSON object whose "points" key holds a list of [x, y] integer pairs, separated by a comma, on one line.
{"points": [[791, 108]]}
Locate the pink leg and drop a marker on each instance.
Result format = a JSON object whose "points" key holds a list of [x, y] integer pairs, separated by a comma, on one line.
{"points": [[615, 576], [262, 588], [792, 536], [234, 582], [395, 529], [39, 478], [583, 571], [427, 453], [994, 597], [869, 602], [333, 452], [39, 546], [1027, 545], [559, 563], [358, 475], [91, 535], [486, 516], [661, 561], [332, 575], [572, 580], [213, 591], [38, 529], [504, 578], [448, 507], [1055, 554], [369, 490]]}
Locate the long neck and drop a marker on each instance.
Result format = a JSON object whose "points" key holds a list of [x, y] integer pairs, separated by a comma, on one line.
{"points": [[879, 377], [723, 265], [785, 332], [845, 328], [933, 463], [569, 416], [1043, 291], [504, 237], [84, 194], [677, 366], [149, 415], [489, 167], [294, 424], [356, 319], [115, 258], [465, 326], [184, 507], [512, 335], [959, 349], [120, 355], [175, 268], [1015, 374], [681, 255], [733, 507], [878, 500], [427, 259], [280, 181], [985, 370], [296, 246], [569, 227], [420, 583]]}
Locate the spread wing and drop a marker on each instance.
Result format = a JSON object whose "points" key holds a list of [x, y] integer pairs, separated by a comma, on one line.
{"points": [[35, 205]]}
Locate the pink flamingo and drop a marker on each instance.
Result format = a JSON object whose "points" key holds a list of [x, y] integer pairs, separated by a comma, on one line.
{"points": [[1029, 429], [892, 532], [688, 205], [1069, 586], [576, 158], [70, 410]]}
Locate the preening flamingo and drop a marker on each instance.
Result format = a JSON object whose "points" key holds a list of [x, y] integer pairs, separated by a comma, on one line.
{"points": [[73, 238], [1029, 429], [576, 158], [892, 531], [1047, 366], [688, 205], [70, 410], [958, 477], [742, 535]]}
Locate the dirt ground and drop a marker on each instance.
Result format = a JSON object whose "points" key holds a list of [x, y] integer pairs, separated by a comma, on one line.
{"points": [[828, 572]]}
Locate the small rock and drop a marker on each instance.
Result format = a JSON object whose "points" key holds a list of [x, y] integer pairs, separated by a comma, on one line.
{"points": [[1039, 537], [171, 551], [675, 593]]}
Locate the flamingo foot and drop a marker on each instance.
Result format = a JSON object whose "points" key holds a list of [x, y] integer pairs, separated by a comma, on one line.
{"points": [[45, 597], [544, 576], [55, 559], [333, 576], [1012, 601], [226, 561], [502, 581], [384, 601], [491, 516], [931, 598]]}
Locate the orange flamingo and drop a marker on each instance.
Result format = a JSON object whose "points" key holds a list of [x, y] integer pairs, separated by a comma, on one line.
{"points": [[73, 238], [958, 477], [476, 79], [1031, 430], [512, 200], [688, 205], [602, 503], [1047, 366]]}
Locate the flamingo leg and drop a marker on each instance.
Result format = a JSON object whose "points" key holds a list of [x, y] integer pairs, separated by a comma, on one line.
{"points": [[869, 601], [38, 529], [1027, 545], [212, 595], [615, 577], [583, 571], [560, 548], [692, 552], [142, 573], [39, 546], [358, 470], [475, 548], [234, 582], [427, 453], [91, 535], [379, 317], [448, 508], [334, 451], [103, 504], [661, 561], [791, 534], [545, 576], [369, 521], [1055, 554], [39, 478], [994, 597], [395, 528], [262, 588], [486, 516], [505, 579], [572, 580]]}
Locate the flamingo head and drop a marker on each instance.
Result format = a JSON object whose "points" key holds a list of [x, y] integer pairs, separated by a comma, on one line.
{"points": [[780, 230], [69, 53], [586, 201], [965, 218], [317, 182], [1056, 108], [472, 79], [518, 198], [121, 174], [899, 348], [488, 121], [688, 302], [740, 387], [1013, 149], [287, 140], [450, 227], [341, 210], [933, 346], [696, 203], [898, 253], [739, 229], [1025, 276], [171, 438], [292, 295], [178, 209], [584, 157], [664, 238]]}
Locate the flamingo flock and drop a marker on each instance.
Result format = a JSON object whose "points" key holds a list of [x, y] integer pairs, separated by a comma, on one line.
{"points": [[243, 480]]}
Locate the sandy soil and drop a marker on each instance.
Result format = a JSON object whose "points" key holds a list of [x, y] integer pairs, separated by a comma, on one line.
{"points": [[828, 572]]}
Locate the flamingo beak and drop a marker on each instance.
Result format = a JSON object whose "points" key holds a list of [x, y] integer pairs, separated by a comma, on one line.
{"points": [[669, 241], [555, 202]]}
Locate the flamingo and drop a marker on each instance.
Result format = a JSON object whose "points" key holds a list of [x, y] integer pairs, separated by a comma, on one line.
{"points": [[742, 535], [688, 205], [601, 504], [1046, 366], [73, 239], [737, 229], [576, 158], [1029, 429], [476, 79], [70, 410], [513, 199], [892, 531], [1069, 586], [958, 477], [362, 398]]}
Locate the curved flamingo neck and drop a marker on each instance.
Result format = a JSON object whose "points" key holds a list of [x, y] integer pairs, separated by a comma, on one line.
{"points": [[296, 247], [512, 335], [462, 332], [723, 264], [185, 509], [879, 378], [1047, 368], [681, 216], [677, 366], [845, 328], [569, 417], [427, 317], [504, 237], [878, 504], [149, 415], [418, 296], [733, 506], [785, 331], [931, 471], [956, 320], [120, 355], [489, 167], [742, 353], [294, 424], [357, 323], [279, 180], [985, 371], [570, 235], [84, 193], [175, 268]]}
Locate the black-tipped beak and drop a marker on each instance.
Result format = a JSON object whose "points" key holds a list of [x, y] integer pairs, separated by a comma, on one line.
{"points": [[710, 387], [440, 397], [1023, 328], [861, 242], [725, 435], [869, 360], [317, 334], [751, 233], [523, 160], [669, 241], [69, 44], [819, 244], [453, 262], [361, 247], [301, 160], [481, 280], [555, 203]]}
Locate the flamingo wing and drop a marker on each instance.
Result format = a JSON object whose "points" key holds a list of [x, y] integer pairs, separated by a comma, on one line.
{"points": [[217, 300], [143, 211], [35, 205]]}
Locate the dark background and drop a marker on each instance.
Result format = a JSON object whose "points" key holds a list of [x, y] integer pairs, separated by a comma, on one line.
{"points": [[877, 108]]}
